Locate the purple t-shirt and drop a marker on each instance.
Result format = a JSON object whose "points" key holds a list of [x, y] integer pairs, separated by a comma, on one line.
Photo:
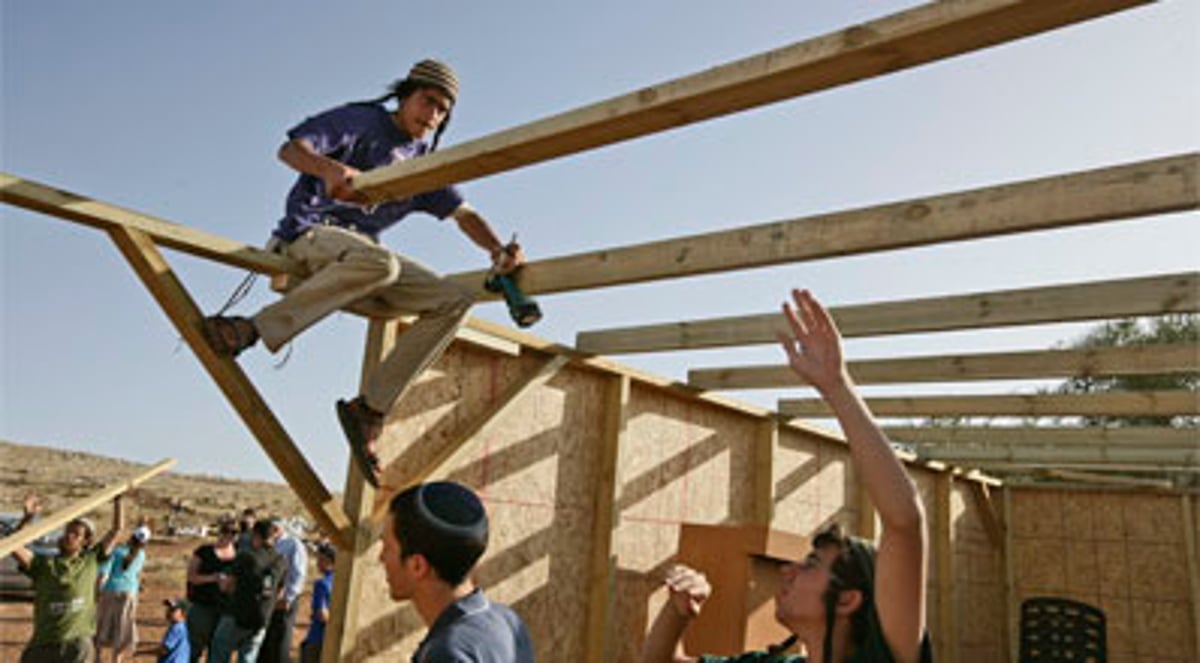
{"points": [[362, 136]]}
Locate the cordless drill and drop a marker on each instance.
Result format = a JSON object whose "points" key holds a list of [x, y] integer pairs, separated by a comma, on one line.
{"points": [[524, 310]]}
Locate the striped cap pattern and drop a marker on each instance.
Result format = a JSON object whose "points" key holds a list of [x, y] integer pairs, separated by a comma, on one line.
{"points": [[437, 74]]}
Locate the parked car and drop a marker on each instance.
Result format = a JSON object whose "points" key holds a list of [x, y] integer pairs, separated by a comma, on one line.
{"points": [[14, 585]]}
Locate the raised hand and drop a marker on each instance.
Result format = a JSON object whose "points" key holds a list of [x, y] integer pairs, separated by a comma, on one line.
{"points": [[688, 588], [32, 505], [814, 349]]}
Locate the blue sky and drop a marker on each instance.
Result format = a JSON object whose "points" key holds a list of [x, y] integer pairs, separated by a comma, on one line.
{"points": [[176, 110]]}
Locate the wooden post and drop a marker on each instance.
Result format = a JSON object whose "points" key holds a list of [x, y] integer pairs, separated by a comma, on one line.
{"points": [[342, 628], [52, 522], [1010, 580], [866, 513], [148, 262], [1189, 538], [600, 572], [944, 531], [763, 509]]}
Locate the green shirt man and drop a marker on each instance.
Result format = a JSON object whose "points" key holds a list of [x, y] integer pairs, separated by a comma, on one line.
{"points": [[64, 606]]}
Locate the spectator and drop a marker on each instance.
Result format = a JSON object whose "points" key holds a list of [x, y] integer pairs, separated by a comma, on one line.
{"points": [[310, 649], [116, 611], [64, 586], [209, 563], [175, 646], [245, 527], [277, 643], [253, 587]]}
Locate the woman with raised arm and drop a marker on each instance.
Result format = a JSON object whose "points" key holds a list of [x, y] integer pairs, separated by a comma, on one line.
{"points": [[847, 601]]}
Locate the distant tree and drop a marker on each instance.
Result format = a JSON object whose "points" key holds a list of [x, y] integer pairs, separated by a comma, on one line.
{"points": [[1168, 329]]}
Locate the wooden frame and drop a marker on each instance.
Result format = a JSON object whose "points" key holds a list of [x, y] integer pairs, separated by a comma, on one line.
{"points": [[907, 39]]}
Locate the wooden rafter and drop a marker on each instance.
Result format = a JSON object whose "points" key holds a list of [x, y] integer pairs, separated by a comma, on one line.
{"points": [[1121, 192], [1153, 295], [78, 508], [1133, 436], [1130, 403], [156, 274], [1025, 454], [1142, 360], [901, 41], [1102, 479]]}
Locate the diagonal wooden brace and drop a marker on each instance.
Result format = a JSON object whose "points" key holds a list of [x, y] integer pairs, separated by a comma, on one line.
{"points": [[150, 265]]}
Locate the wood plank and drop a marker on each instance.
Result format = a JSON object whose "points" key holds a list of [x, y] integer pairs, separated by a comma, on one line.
{"points": [[1141, 360], [156, 274], [1095, 300], [982, 496], [1012, 600], [901, 41], [946, 638], [396, 479], [602, 564], [1139, 437], [1096, 466], [81, 209], [351, 565], [1101, 479], [51, 522], [765, 443], [1193, 562], [970, 456], [1132, 403]]}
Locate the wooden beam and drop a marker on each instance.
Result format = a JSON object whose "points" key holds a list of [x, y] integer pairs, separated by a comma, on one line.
{"points": [[763, 498], [1102, 479], [73, 207], [901, 41], [1062, 455], [601, 586], [150, 266], [1096, 300], [866, 513], [1131, 403], [391, 484], [342, 629], [1139, 360], [53, 521], [982, 496], [1193, 562], [1012, 599], [943, 533], [1097, 466], [1140, 437]]}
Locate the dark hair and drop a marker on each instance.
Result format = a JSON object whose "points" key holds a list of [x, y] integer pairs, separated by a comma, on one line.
{"points": [[445, 523], [852, 569], [263, 529], [327, 551], [401, 90]]}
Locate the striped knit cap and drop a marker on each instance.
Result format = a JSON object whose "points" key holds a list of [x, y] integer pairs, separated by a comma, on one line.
{"points": [[436, 74]]}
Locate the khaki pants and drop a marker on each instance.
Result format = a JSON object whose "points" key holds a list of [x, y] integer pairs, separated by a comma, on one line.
{"points": [[346, 267]]}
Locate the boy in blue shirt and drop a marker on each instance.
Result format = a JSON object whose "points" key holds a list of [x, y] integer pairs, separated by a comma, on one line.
{"points": [[310, 649], [174, 647]]}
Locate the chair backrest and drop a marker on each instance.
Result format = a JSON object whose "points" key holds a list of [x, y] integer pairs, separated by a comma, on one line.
{"points": [[1054, 629]]}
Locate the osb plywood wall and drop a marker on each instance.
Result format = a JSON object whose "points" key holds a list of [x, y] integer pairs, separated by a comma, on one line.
{"points": [[680, 460], [1125, 553]]}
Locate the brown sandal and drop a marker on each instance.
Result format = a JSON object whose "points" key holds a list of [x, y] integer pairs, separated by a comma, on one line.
{"points": [[362, 427], [229, 335]]}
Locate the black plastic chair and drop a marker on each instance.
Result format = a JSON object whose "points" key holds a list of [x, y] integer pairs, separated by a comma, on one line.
{"points": [[1054, 629]]}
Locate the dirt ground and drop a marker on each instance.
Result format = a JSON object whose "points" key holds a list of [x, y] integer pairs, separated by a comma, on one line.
{"points": [[163, 577]]}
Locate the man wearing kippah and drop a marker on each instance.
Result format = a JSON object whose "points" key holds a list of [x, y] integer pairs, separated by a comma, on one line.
{"points": [[434, 535], [332, 232]]}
